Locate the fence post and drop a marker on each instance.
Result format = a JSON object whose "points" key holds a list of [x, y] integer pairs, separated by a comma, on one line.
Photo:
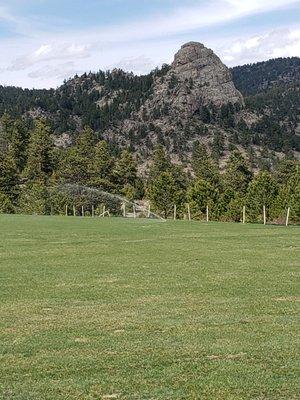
{"points": [[175, 212], [74, 211], [244, 214], [207, 214], [124, 209], [82, 211], [265, 216], [93, 211], [189, 212], [134, 211], [66, 210], [287, 216], [149, 210]]}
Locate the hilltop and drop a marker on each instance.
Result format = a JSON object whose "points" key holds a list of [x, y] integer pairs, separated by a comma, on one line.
{"points": [[254, 108]]}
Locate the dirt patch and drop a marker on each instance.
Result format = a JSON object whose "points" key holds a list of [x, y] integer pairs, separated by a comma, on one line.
{"points": [[289, 298], [226, 356]]}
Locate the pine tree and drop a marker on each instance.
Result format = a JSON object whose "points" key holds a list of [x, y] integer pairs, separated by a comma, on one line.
{"points": [[285, 169], [18, 143], [205, 115], [6, 131], [85, 142], [6, 205], [164, 193], [217, 145], [103, 165], [294, 183], [9, 179], [237, 173], [200, 195], [103, 161], [203, 165], [77, 167], [262, 191], [289, 192], [35, 199], [227, 115], [40, 166], [161, 163], [125, 176]]}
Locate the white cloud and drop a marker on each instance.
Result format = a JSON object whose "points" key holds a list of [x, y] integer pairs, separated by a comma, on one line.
{"points": [[139, 65], [50, 52], [59, 71], [277, 43], [139, 45]]}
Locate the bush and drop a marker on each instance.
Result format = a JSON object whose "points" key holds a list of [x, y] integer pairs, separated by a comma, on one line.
{"points": [[35, 199], [6, 206]]}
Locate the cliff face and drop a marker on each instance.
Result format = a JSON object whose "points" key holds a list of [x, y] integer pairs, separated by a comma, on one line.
{"points": [[197, 77]]}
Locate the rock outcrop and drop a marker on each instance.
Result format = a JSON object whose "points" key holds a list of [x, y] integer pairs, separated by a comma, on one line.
{"points": [[197, 77]]}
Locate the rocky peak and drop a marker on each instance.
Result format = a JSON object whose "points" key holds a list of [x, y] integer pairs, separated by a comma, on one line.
{"points": [[197, 77], [211, 77], [188, 53]]}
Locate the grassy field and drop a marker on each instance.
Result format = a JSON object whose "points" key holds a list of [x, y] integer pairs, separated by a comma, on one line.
{"points": [[134, 309]]}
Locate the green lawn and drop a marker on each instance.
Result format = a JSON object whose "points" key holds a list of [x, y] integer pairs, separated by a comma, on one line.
{"points": [[135, 309]]}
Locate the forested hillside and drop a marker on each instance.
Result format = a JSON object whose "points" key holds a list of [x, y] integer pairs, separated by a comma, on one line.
{"points": [[181, 134], [140, 112], [37, 177], [251, 79]]}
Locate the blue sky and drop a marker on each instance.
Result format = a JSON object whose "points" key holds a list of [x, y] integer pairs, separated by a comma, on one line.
{"points": [[43, 42]]}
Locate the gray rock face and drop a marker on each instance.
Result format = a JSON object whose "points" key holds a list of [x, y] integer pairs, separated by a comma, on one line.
{"points": [[197, 77]]}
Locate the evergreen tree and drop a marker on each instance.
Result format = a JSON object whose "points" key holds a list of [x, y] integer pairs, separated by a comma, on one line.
{"points": [[35, 199], [262, 191], [181, 182], [103, 161], [85, 142], [200, 195], [6, 123], [164, 193], [6, 205], [103, 165], [227, 115], [40, 164], [226, 196], [237, 173], [234, 209], [9, 178], [205, 115], [289, 193], [78, 165], [161, 163], [285, 169], [203, 165], [18, 143], [125, 176], [217, 145]]}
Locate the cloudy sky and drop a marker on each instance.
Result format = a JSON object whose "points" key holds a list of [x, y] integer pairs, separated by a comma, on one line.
{"points": [[43, 42]]}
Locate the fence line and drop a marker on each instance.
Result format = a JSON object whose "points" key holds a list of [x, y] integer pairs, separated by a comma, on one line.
{"points": [[178, 213]]}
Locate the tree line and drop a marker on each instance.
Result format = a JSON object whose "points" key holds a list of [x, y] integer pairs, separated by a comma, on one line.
{"points": [[33, 170]]}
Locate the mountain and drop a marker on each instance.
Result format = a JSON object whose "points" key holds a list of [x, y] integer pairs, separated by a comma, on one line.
{"points": [[254, 108], [251, 79], [196, 78]]}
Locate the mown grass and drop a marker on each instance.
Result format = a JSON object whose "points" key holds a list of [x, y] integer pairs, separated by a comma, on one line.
{"points": [[135, 309]]}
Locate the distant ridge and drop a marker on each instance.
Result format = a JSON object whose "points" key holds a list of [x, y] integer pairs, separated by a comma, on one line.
{"points": [[254, 107]]}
